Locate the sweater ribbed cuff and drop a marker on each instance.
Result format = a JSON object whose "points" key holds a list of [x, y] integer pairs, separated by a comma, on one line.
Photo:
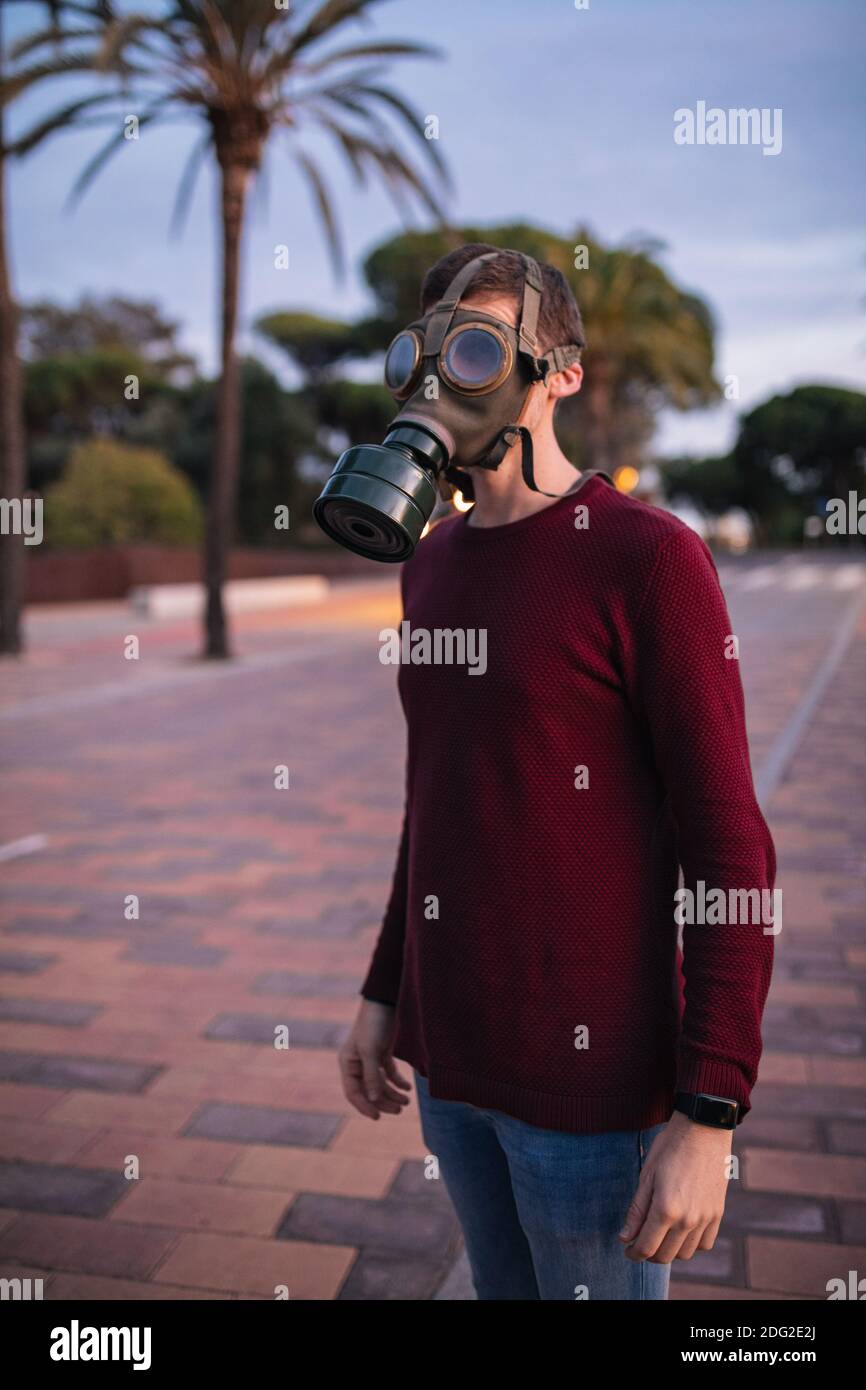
{"points": [[379, 984], [725, 1079]]}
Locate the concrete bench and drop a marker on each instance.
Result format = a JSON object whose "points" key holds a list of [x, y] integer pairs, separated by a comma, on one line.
{"points": [[239, 596]]}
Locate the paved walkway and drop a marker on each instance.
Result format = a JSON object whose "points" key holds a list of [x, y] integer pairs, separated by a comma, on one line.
{"points": [[145, 1046]]}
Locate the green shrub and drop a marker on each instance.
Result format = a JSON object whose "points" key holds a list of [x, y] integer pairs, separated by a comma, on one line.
{"points": [[115, 494]]}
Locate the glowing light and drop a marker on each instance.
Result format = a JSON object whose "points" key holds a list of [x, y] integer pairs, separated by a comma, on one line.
{"points": [[460, 502], [626, 478]]}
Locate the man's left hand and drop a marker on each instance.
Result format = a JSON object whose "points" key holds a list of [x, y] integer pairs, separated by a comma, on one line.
{"points": [[680, 1199]]}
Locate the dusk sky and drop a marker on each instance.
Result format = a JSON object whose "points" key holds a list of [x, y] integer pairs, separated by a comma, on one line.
{"points": [[549, 114]]}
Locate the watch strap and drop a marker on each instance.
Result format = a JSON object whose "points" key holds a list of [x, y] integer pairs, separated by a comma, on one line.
{"points": [[717, 1111]]}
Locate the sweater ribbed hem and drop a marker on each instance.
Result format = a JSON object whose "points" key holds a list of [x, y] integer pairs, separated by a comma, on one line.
{"points": [[573, 1114]]}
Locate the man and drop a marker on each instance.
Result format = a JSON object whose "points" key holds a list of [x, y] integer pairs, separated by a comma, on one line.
{"points": [[580, 1101]]}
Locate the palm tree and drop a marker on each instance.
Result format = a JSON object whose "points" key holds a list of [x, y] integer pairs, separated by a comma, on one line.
{"points": [[11, 424], [16, 78], [650, 345], [247, 69]]}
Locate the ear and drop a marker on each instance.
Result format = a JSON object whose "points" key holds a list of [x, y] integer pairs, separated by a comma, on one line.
{"points": [[565, 383]]}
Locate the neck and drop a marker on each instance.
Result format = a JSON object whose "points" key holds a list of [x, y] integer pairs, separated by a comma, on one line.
{"points": [[502, 496]]}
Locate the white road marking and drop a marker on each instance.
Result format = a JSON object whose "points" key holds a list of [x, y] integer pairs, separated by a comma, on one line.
{"points": [[173, 677], [761, 578], [802, 577], [795, 578], [16, 849], [787, 742], [848, 576]]}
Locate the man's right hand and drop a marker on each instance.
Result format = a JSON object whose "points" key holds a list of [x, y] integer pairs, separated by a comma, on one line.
{"points": [[367, 1066]]}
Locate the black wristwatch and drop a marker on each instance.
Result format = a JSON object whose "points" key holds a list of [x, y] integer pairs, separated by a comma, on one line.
{"points": [[715, 1111]]}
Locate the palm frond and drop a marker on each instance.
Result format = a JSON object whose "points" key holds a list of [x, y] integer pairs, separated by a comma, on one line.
{"points": [[347, 143], [351, 97], [49, 37], [325, 209], [386, 48], [382, 155], [415, 123], [222, 38], [103, 154], [17, 82], [124, 33], [327, 17], [396, 169], [186, 183], [65, 116]]}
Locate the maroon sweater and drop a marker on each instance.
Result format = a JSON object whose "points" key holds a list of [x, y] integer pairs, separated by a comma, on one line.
{"points": [[532, 901]]}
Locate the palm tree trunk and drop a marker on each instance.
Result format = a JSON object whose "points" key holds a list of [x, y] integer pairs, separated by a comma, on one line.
{"points": [[226, 458], [12, 455], [598, 429]]}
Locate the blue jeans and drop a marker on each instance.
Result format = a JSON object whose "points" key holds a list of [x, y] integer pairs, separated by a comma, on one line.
{"points": [[540, 1209]]}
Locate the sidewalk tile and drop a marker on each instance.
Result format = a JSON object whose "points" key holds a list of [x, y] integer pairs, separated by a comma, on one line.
{"points": [[820, 1175], [308, 1170], [79, 1245], [199, 1206], [259, 1124], [800, 1267], [57, 1188], [238, 1264]]}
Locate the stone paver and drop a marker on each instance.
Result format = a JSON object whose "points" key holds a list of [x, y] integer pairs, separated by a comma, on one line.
{"points": [[257, 1124], [182, 908]]}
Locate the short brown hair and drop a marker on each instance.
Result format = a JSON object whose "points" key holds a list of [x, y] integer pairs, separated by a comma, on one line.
{"points": [[559, 321]]}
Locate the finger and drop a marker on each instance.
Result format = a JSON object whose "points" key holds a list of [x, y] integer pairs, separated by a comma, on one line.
{"points": [[708, 1239], [671, 1246], [377, 1091], [392, 1072], [691, 1242], [390, 1107], [637, 1212], [351, 1071], [354, 1093], [651, 1235], [399, 1097], [372, 1078]]}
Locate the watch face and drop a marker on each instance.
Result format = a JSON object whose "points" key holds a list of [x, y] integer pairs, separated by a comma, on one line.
{"points": [[714, 1110]]}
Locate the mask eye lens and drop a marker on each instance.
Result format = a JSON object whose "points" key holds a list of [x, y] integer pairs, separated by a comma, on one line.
{"points": [[401, 362], [474, 359]]}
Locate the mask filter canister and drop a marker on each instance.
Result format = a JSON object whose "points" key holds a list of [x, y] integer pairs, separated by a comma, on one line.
{"points": [[380, 497]]}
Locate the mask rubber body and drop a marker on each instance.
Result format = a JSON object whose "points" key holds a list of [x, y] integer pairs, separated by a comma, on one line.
{"points": [[468, 423]]}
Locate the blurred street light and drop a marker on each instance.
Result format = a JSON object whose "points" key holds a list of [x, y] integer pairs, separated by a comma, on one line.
{"points": [[626, 478]]}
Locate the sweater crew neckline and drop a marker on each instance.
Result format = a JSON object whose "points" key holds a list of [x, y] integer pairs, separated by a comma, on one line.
{"points": [[506, 529]]}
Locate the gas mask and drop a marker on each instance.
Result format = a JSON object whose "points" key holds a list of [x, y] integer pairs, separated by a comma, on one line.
{"points": [[462, 379]]}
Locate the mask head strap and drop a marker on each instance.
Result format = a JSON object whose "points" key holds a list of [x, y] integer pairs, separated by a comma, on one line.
{"points": [[555, 359], [527, 334], [440, 319], [559, 358]]}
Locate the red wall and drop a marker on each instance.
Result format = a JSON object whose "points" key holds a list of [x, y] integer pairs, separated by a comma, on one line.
{"points": [[53, 576]]}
